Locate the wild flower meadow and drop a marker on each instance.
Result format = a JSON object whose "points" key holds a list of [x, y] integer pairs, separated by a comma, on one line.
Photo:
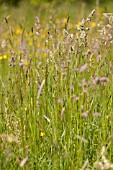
{"points": [[56, 94]]}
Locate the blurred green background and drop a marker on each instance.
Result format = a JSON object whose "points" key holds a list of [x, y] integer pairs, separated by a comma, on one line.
{"points": [[25, 10], [38, 2]]}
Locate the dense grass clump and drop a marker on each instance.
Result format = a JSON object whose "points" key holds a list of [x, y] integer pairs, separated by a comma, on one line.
{"points": [[56, 97]]}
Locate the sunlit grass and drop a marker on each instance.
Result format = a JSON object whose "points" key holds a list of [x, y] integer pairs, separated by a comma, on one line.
{"points": [[56, 93]]}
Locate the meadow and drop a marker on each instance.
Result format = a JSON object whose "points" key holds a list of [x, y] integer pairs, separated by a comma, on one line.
{"points": [[56, 89]]}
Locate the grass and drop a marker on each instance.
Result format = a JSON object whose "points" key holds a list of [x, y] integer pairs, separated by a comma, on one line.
{"points": [[56, 97]]}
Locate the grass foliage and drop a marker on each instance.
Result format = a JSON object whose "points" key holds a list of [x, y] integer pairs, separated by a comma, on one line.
{"points": [[56, 97]]}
